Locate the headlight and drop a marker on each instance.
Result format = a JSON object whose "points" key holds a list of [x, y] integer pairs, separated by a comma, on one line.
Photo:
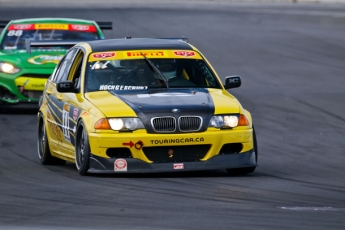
{"points": [[8, 68], [228, 121], [224, 121], [125, 123]]}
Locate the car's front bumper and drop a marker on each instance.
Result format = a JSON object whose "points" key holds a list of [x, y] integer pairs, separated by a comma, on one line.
{"points": [[226, 161], [213, 149], [22, 88]]}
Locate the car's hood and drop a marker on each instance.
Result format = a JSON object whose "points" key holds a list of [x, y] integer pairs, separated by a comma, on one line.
{"points": [[172, 102], [44, 58]]}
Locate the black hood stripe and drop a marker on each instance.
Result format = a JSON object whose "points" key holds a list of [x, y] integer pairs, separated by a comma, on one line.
{"points": [[188, 102]]}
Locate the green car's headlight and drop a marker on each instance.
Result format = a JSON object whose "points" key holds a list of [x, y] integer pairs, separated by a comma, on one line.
{"points": [[125, 123], [8, 68]]}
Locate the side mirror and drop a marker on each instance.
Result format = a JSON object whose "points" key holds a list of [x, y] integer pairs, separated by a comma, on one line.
{"points": [[65, 87], [232, 82]]}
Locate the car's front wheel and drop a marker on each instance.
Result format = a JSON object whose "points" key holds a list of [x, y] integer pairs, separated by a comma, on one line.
{"points": [[247, 169], [82, 150], [43, 146]]}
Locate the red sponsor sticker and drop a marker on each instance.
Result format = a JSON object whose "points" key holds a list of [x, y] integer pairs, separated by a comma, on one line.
{"points": [[21, 27], [178, 166], [184, 53], [75, 113], [104, 55], [120, 165], [84, 28]]}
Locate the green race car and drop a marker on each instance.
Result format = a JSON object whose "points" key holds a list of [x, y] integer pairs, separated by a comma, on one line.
{"points": [[23, 76]]}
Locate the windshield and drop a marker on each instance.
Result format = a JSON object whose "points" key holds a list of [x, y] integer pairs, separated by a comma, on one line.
{"points": [[137, 74], [16, 34]]}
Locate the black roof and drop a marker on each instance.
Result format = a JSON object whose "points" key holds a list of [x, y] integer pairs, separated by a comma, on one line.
{"points": [[137, 44]]}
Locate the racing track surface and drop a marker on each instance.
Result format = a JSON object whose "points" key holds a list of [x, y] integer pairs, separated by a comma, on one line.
{"points": [[291, 59]]}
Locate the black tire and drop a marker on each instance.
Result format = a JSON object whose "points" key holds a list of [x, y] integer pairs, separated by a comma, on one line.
{"points": [[239, 171], [82, 150], [43, 146]]}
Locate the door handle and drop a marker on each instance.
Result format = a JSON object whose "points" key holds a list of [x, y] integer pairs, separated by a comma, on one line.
{"points": [[59, 97]]}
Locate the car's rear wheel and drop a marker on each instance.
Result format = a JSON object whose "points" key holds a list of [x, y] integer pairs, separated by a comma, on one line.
{"points": [[247, 169], [82, 150], [43, 146]]}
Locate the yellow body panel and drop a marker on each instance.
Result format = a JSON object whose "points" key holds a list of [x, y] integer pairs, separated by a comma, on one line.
{"points": [[110, 105], [31, 83]]}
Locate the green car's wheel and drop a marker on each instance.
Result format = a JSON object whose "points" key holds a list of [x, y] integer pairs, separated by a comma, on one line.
{"points": [[247, 169], [82, 150], [43, 146]]}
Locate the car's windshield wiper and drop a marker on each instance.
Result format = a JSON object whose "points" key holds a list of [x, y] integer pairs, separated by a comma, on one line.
{"points": [[156, 69]]}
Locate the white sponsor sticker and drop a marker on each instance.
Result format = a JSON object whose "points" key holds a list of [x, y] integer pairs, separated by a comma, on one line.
{"points": [[178, 166], [120, 165], [121, 87]]}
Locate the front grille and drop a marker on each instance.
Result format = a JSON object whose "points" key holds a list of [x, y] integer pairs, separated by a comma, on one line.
{"points": [[166, 154], [164, 124], [168, 124], [188, 124]]}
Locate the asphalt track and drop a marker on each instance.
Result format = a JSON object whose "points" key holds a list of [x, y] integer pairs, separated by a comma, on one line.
{"points": [[291, 59]]}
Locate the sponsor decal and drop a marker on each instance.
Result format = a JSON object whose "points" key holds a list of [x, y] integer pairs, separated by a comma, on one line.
{"points": [[121, 87], [146, 53], [45, 59], [120, 165], [177, 141], [51, 26], [75, 113], [178, 166], [104, 55], [130, 144], [85, 28], [21, 27], [184, 53]]}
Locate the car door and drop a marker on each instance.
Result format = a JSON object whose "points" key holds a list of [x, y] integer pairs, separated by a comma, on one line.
{"points": [[60, 110], [53, 131], [73, 102]]}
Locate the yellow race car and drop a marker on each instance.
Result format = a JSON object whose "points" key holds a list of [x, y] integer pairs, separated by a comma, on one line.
{"points": [[141, 105]]}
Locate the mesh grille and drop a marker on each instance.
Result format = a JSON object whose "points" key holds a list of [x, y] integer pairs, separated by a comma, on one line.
{"points": [[164, 124], [189, 123], [188, 153]]}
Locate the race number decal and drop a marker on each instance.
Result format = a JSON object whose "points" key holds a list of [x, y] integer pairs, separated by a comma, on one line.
{"points": [[65, 122], [15, 33]]}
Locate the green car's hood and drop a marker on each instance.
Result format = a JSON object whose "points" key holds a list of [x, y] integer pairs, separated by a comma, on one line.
{"points": [[40, 58]]}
